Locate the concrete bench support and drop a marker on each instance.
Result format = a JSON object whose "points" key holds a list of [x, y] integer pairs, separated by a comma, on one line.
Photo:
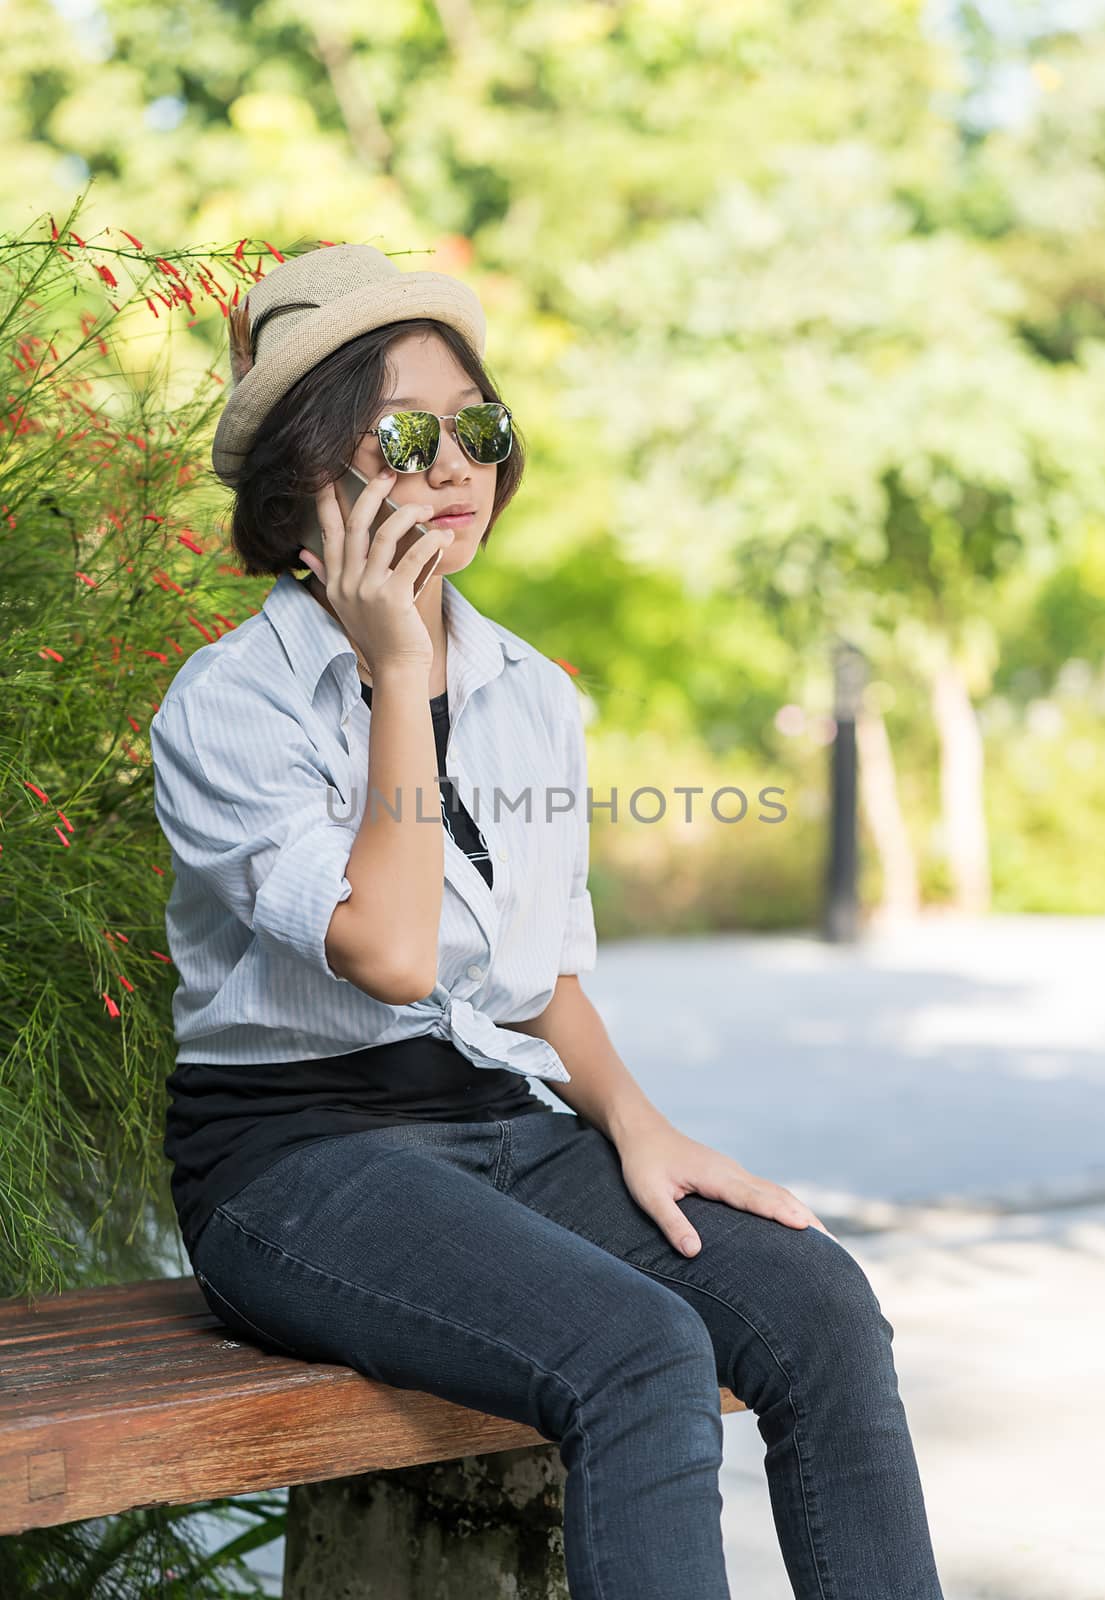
{"points": [[482, 1528]]}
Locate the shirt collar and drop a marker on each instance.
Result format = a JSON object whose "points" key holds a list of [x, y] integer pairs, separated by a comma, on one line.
{"points": [[312, 639]]}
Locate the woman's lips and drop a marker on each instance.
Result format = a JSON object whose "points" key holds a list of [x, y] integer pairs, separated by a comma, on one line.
{"points": [[458, 521]]}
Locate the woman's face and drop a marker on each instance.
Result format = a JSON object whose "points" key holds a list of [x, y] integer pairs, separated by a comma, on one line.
{"points": [[428, 377]]}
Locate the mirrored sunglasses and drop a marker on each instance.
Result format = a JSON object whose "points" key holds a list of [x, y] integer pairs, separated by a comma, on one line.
{"points": [[409, 440]]}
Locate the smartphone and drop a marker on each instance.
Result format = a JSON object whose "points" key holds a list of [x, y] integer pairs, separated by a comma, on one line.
{"points": [[347, 488]]}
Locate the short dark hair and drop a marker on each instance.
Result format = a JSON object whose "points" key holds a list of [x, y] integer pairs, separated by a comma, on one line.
{"points": [[309, 436]]}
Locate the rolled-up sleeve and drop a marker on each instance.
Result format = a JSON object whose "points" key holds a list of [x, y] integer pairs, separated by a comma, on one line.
{"points": [[243, 802], [579, 948]]}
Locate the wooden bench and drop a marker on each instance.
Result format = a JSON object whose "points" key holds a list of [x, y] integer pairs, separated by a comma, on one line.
{"points": [[137, 1395]]}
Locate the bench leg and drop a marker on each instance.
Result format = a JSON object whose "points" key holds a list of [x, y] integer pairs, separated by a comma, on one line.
{"points": [[487, 1527]]}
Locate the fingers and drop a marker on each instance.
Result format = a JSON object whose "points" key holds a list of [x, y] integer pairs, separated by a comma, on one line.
{"points": [[399, 522], [675, 1227], [313, 564], [793, 1213], [768, 1200], [345, 544], [414, 559], [782, 1206], [333, 532], [370, 551]]}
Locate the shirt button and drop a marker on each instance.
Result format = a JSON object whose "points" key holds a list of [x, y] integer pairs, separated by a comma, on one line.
{"points": [[475, 972], [502, 855]]}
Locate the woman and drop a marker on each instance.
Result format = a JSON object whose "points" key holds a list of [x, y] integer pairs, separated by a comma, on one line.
{"points": [[368, 975]]}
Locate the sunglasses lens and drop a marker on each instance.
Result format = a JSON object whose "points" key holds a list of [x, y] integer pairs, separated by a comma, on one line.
{"points": [[408, 440], [485, 432]]}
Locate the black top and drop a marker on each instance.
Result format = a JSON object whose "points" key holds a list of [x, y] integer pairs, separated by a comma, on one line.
{"points": [[227, 1124], [454, 816]]}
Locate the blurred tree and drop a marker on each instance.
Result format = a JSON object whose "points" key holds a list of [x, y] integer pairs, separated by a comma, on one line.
{"points": [[777, 303]]}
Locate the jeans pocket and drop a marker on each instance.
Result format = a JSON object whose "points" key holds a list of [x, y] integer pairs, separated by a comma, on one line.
{"points": [[239, 1323]]}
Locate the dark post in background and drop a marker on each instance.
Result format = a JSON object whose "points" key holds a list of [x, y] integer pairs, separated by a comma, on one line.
{"points": [[841, 920]]}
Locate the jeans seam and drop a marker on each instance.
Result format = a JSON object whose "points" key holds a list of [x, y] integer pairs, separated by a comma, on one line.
{"points": [[501, 1177], [557, 1377], [798, 1415], [266, 1338]]}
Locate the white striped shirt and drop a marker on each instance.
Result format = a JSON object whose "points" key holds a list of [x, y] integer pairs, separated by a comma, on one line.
{"points": [[260, 752]]}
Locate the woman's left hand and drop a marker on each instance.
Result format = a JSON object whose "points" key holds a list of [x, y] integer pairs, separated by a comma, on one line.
{"points": [[660, 1165]]}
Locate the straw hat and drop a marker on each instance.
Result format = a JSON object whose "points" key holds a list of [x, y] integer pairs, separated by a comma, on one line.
{"points": [[332, 294]]}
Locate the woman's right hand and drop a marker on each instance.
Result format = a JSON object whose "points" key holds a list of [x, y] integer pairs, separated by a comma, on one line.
{"points": [[374, 601]]}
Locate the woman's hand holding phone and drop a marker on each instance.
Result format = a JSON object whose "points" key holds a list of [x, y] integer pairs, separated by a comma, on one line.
{"points": [[374, 600]]}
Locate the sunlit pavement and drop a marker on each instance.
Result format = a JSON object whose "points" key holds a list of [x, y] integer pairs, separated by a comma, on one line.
{"points": [[937, 1095]]}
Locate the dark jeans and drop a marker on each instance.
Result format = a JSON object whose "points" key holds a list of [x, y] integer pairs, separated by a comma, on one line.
{"points": [[506, 1267]]}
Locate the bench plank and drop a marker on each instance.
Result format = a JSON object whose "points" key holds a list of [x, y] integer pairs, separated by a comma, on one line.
{"points": [[137, 1395]]}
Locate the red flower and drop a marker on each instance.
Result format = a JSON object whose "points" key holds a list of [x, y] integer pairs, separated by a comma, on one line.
{"points": [[129, 987], [160, 957], [208, 277], [112, 1008], [137, 243], [45, 798], [61, 836], [46, 651]]}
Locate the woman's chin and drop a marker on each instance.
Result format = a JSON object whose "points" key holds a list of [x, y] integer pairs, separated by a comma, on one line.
{"points": [[458, 554]]}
